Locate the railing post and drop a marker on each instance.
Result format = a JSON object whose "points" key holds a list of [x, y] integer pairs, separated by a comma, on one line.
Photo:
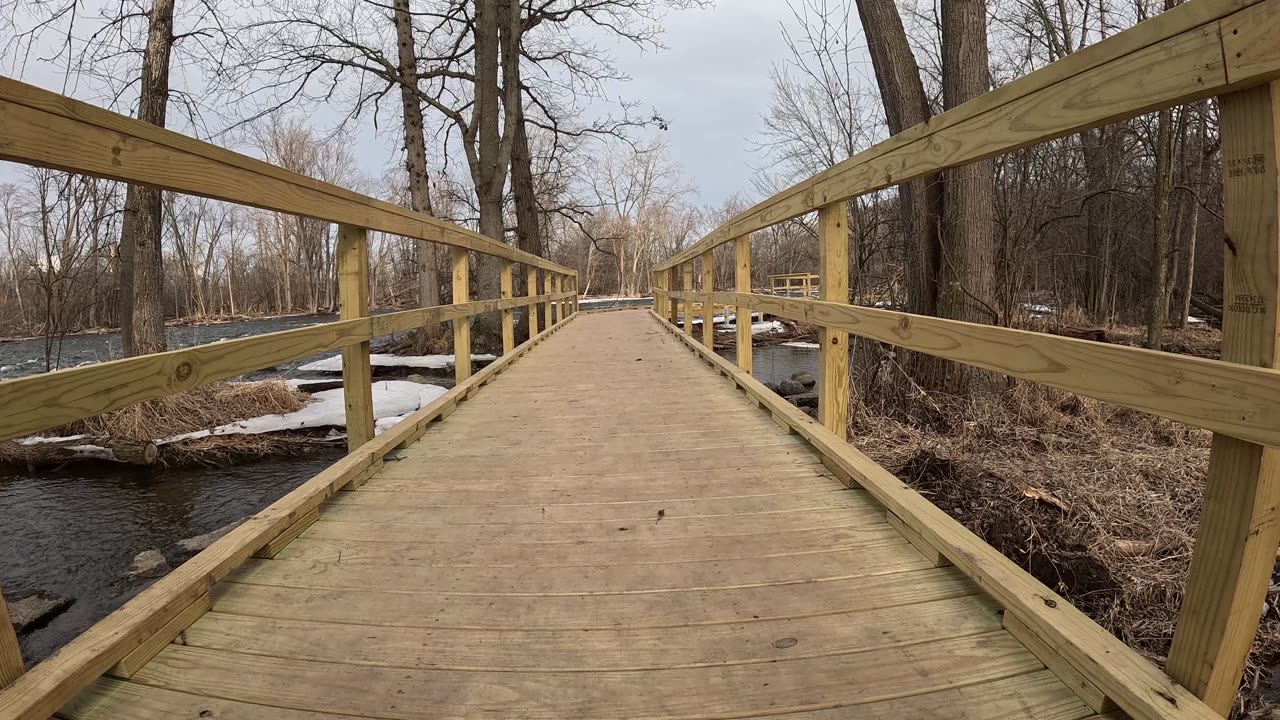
{"points": [[11, 666], [508, 314], [462, 325], [833, 356], [742, 284], [673, 283], [686, 277], [708, 309], [1239, 527], [531, 288], [576, 292], [546, 307], [353, 303], [562, 305], [556, 314]]}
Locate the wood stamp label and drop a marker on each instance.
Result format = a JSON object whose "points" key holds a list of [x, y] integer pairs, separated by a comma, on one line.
{"points": [[1248, 304], [1255, 164]]}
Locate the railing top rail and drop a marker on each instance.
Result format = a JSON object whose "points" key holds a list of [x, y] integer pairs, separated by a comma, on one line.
{"points": [[1198, 49], [46, 129]]}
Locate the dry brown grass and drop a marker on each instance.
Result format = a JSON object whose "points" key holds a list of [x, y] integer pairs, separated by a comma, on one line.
{"points": [[200, 408], [1130, 487]]}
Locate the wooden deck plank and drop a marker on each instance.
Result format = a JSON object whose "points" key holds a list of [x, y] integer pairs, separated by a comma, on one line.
{"points": [[1035, 696], [409, 694], [379, 551], [583, 580], [596, 650], [672, 609], [635, 540]]}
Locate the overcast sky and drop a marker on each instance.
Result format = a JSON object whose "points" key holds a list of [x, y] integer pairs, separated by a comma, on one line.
{"points": [[710, 84]]}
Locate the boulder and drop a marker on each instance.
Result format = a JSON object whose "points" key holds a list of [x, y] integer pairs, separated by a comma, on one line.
{"points": [[787, 388], [193, 545], [148, 564], [34, 611], [804, 400], [805, 379]]}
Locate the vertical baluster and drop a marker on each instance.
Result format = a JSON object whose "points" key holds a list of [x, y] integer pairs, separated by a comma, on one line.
{"points": [[1239, 523], [742, 284], [353, 303], [708, 308], [833, 357], [462, 325], [531, 288], [508, 314]]}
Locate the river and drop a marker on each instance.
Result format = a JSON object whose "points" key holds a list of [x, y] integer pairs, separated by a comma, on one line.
{"points": [[75, 530]]}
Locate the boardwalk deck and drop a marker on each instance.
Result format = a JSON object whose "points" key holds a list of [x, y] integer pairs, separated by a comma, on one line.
{"points": [[607, 530]]}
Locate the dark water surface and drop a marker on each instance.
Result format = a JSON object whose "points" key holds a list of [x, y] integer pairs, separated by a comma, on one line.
{"points": [[771, 363], [26, 357], [75, 531]]}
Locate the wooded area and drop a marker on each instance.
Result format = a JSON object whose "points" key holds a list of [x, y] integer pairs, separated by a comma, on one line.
{"points": [[1101, 226]]}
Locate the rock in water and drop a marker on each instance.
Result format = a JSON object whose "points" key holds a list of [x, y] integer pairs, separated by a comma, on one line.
{"points": [[805, 379], [193, 545], [805, 400], [34, 611], [789, 387], [148, 564]]}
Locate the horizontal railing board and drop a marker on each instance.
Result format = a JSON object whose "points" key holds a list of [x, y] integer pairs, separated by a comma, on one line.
{"points": [[1136, 685], [41, 691], [1174, 57], [55, 398], [1228, 398], [50, 130]]}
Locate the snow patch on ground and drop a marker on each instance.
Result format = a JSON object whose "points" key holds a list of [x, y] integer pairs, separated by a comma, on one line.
{"points": [[808, 345], [391, 399], [433, 362], [761, 328]]}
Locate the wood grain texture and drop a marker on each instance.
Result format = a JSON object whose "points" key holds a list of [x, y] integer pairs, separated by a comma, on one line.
{"points": [[461, 261], [686, 285], [833, 350], [1239, 526], [142, 655], [1087, 691], [1136, 685], [47, 129], [531, 287], [742, 284], [1173, 57], [353, 304], [507, 289], [708, 309], [11, 665]]}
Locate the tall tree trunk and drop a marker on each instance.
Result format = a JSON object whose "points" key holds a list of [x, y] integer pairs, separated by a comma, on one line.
{"points": [[919, 201], [528, 226], [496, 26], [967, 286], [1096, 148], [430, 338], [1158, 300], [142, 256], [1205, 157]]}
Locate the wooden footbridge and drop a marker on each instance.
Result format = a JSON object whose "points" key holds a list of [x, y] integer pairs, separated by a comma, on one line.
{"points": [[612, 521]]}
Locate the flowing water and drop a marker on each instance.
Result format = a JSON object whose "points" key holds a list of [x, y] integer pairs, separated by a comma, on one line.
{"points": [[75, 531]]}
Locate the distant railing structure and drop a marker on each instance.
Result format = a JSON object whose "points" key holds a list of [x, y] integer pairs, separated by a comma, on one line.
{"points": [[1203, 48], [794, 284], [45, 129]]}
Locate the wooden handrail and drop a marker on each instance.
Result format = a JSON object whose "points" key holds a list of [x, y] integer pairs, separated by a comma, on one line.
{"points": [[49, 130], [1200, 48], [1229, 398], [62, 396]]}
